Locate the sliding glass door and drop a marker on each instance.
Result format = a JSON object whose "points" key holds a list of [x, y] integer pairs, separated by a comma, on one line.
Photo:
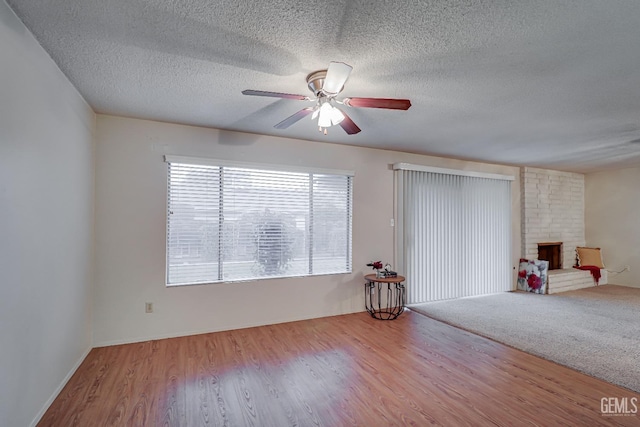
{"points": [[453, 233]]}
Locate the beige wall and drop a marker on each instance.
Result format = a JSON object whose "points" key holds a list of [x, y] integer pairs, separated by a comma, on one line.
{"points": [[611, 221], [130, 231], [46, 225]]}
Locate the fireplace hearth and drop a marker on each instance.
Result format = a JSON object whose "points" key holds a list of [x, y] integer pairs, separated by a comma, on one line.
{"points": [[552, 252]]}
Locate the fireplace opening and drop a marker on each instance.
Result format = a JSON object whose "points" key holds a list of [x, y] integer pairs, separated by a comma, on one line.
{"points": [[552, 252]]}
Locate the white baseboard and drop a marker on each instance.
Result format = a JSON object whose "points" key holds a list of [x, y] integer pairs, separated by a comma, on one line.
{"points": [[213, 330], [58, 389]]}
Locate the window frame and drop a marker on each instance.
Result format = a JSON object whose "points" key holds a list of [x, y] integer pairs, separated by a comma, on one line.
{"points": [[211, 162]]}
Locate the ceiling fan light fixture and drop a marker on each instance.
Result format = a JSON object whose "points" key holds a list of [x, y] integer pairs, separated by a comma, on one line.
{"points": [[336, 116], [324, 117]]}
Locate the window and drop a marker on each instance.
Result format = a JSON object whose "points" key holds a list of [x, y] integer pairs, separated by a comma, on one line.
{"points": [[230, 222]]}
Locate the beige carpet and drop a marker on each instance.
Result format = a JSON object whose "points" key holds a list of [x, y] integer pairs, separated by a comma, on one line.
{"points": [[594, 330]]}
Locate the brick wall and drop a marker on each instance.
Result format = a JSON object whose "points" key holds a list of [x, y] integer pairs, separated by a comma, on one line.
{"points": [[552, 211]]}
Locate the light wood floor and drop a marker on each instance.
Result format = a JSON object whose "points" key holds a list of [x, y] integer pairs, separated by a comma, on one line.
{"points": [[336, 371]]}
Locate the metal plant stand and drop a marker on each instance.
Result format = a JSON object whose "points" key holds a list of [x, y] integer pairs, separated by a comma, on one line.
{"points": [[384, 298]]}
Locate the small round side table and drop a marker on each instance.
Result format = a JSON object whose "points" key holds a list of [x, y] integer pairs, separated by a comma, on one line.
{"points": [[379, 305]]}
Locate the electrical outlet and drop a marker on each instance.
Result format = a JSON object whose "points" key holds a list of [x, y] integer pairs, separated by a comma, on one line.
{"points": [[148, 307]]}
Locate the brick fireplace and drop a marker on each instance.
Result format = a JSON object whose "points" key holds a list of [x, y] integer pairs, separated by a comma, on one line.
{"points": [[552, 212], [552, 209]]}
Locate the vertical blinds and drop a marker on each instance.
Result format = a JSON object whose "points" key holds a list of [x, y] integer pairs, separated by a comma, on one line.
{"points": [[230, 223], [454, 235]]}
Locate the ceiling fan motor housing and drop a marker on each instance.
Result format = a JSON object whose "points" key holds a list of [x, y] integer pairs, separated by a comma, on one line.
{"points": [[315, 81]]}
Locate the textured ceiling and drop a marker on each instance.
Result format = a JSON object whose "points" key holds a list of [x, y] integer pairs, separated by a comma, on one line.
{"points": [[543, 83]]}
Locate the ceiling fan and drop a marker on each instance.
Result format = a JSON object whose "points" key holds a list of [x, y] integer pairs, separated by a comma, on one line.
{"points": [[326, 85]]}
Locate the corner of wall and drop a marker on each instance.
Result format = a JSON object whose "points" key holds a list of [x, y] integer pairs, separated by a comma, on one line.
{"points": [[47, 224]]}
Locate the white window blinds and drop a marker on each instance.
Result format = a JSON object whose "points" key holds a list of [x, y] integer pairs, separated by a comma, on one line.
{"points": [[454, 233], [231, 223]]}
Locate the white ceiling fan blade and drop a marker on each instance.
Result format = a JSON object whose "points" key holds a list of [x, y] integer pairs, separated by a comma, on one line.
{"points": [[337, 75]]}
